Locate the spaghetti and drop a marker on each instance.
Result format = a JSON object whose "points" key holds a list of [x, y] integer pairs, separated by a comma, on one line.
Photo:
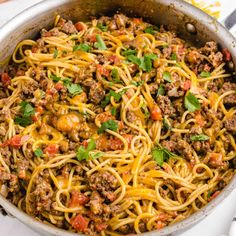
{"points": [[115, 126]]}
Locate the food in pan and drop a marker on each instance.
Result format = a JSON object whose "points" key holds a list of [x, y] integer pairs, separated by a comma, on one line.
{"points": [[115, 126]]}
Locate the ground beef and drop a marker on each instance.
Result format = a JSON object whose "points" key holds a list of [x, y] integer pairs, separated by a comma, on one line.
{"points": [[131, 117], [153, 87], [184, 149], [42, 195], [216, 58], [230, 124], [169, 145], [105, 183], [230, 99], [201, 147], [209, 48], [96, 93], [69, 28], [53, 32], [95, 203], [165, 105], [173, 90]]}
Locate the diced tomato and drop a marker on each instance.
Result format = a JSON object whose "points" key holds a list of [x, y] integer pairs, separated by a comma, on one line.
{"points": [[85, 143], [51, 91], [216, 159], [51, 149], [102, 70], [59, 86], [100, 226], [105, 116], [34, 49], [160, 224], [214, 195], [16, 141], [79, 26], [91, 38], [199, 119], [226, 53], [6, 80], [39, 111], [156, 113], [187, 85], [114, 59], [79, 223], [137, 20], [78, 199], [117, 144]]}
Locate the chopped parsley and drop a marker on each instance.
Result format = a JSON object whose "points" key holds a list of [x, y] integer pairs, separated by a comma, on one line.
{"points": [[166, 124], [38, 152], [113, 111], [167, 76], [84, 153], [161, 90], [27, 110], [82, 47], [173, 56], [128, 52], [100, 43], [102, 27], [55, 53], [137, 83], [115, 76], [191, 103], [160, 155], [117, 97], [74, 89], [199, 137], [110, 124], [205, 74], [144, 63], [149, 30]]}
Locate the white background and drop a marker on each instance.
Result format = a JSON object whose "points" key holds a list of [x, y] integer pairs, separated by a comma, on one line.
{"points": [[216, 224]]}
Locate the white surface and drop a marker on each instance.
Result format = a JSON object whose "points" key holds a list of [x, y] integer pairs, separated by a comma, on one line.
{"points": [[216, 224]]}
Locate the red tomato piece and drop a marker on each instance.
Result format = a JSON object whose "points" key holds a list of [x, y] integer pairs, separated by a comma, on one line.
{"points": [[114, 59], [187, 85], [100, 226], [59, 86], [51, 149], [214, 195], [226, 53], [79, 26], [6, 80], [102, 70], [160, 224], [156, 113], [78, 199], [79, 223]]}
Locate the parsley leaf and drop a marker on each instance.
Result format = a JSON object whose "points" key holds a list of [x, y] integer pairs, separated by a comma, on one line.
{"points": [[134, 59], [161, 90], [55, 53], [83, 153], [128, 52], [55, 78], [161, 154], [191, 103], [149, 30], [23, 121], [173, 56], [199, 137], [74, 89], [27, 109], [167, 76], [110, 124], [102, 27], [100, 43], [117, 97], [82, 47], [96, 155], [38, 152], [113, 111], [137, 83], [166, 124], [205, 74], [115, 76]]}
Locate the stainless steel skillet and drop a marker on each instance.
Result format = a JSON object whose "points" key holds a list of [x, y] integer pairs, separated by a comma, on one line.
{"points": [[191, 24]]}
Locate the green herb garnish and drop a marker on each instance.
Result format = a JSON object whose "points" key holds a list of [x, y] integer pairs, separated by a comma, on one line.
{"points": [[191, 103], [199, 137], [74, 89], [84, 153], [102, 27], [110, 124], [128, 52], [167, 76], [100, 43], [55, 53], [38, 152], [82, 47], [113, 111], [205, 74], [161, 154], [166, 124], [161, 90]]}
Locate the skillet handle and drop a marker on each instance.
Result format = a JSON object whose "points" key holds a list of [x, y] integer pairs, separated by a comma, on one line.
{"points": [[230, 20]]}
